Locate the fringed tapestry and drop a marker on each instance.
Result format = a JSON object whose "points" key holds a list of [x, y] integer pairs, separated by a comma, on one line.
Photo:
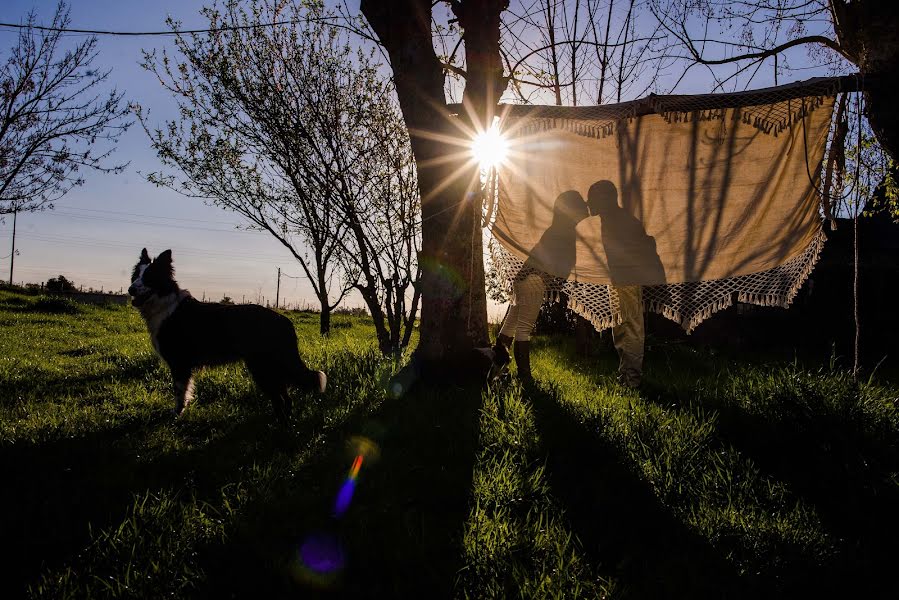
{"points": [[702, 200]]}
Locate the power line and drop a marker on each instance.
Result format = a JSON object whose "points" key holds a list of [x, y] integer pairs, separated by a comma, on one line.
{"points": [[160, 33], [88, 242], [62, 213], [108, 275], [108, 244], [130, 214]]}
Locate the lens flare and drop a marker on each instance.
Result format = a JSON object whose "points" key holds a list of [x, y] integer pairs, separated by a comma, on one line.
{"points": [[489, 148], [322, 554], [345, 495], [319, 561], [362, 446]]}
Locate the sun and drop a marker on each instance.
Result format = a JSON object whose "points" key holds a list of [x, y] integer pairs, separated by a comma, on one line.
{"points": [[489, 148]]}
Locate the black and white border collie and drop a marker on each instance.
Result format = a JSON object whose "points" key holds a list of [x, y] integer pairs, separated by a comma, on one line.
{"points": [[189, 334]]}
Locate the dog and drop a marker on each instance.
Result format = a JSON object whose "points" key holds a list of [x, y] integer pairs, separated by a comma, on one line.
{"points": [[189, 334]]}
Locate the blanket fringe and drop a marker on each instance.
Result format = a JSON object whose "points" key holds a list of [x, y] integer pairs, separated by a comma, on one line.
{"points": [[771, 119], [598, 303]]}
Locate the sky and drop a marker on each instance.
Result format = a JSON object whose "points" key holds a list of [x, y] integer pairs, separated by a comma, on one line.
{"points": [[96, 231], [95, 234]]}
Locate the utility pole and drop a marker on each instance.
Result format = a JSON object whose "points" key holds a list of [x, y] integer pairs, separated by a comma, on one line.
{"points": [[278, 288], [12, 257]]}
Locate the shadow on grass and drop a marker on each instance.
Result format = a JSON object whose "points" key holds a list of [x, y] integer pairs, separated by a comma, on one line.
{"points": [[53, 490], [621, 526], [61, 490], [845, 467], [401, 536], [52, 385]]}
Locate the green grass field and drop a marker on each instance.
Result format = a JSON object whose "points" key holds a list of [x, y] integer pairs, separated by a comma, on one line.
{"points": [[723, 478]]}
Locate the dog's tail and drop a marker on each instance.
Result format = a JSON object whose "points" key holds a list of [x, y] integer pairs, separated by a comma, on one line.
{"points": [[320, 381], [315, 381]]}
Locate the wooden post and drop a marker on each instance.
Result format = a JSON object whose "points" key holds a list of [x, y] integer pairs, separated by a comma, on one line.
{"points": [[12, 257], [278, 288]]}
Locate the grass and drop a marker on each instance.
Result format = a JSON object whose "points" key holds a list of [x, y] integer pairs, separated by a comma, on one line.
{"points": [[726, 477]]}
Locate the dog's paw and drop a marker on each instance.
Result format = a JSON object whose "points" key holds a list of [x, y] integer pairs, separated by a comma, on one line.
{"points": [[321, 381]]}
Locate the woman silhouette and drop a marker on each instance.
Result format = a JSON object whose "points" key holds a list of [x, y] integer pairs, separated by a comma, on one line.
{"points": [[552, 256]]}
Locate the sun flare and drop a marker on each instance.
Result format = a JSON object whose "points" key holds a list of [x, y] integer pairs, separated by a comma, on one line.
{"points": [[489, 148]]}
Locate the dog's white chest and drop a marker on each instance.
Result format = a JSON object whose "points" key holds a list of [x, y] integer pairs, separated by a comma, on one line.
{"points": [[156, 310]]}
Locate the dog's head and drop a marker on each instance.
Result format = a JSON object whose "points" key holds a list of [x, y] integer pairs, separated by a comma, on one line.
{"points": [[152, 278]]}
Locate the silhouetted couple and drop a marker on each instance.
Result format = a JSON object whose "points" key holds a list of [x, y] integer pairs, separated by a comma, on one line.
{"points": [[631, 258]]}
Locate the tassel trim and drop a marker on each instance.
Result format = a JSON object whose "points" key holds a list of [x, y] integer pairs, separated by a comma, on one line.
{"points": [[771, 119], [600, 307]]}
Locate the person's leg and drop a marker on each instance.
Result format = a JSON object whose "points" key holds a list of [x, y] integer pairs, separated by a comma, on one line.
{"points": [[507, 331], [503, 343], [529, 298], [628, 336]]}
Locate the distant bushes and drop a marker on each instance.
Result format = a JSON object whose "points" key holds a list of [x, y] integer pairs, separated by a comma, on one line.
{"points": [[60, 284], [55, 305], [39, 304]]}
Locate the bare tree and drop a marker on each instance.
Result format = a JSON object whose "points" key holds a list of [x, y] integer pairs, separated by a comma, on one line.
{"points": [[52, 114], [291, 128], [845, 34], [865, 32], [454, 313], [453, 281], [577, 51], [381, 207]]}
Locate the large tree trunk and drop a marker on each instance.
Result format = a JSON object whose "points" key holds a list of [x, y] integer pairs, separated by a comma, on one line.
{"points": [[454, 303], [868, 30], [324, 319]]}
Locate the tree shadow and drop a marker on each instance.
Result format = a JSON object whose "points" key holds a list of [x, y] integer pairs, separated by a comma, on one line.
{"points": [[53, 384], [54, 490], [402, 533], [826, 450], [845, 467], [59, 491], [619, 521]]}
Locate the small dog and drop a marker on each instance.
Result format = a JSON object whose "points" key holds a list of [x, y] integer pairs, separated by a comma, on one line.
{"points": [[189, 334]]}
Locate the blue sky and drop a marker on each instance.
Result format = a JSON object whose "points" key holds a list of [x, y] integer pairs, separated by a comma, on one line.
{"points": [[97, 230]]}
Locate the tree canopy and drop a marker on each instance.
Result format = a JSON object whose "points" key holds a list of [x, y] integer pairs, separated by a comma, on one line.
{"points": [[53, 116]]}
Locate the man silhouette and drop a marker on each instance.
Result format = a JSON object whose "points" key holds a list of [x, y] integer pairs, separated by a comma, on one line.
{"points": [[632, 259]]}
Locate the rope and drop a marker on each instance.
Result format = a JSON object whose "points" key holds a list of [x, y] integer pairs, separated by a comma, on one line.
{"points": [[858, 100], [492, 187], [475, 229], [835, 160], [823, 193]]}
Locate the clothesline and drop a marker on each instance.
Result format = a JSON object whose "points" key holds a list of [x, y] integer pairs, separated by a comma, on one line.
{"points": [[659, 103]]}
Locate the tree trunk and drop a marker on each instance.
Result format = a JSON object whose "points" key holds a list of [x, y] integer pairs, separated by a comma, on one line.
{"points": [[454, 302], [370, 297], [324, 318], [868, 30]]}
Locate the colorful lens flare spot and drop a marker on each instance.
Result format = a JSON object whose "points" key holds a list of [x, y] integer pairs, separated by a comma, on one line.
{"points": [[322, 554], [320, 560], [362, 446], [345, 495]]}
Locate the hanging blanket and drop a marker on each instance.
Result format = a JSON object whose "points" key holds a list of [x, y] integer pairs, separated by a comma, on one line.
{"points": [[703, 200]]}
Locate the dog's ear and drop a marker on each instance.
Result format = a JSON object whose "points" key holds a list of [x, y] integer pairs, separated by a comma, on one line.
{"points": [[165, 257], [144, 257]]}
